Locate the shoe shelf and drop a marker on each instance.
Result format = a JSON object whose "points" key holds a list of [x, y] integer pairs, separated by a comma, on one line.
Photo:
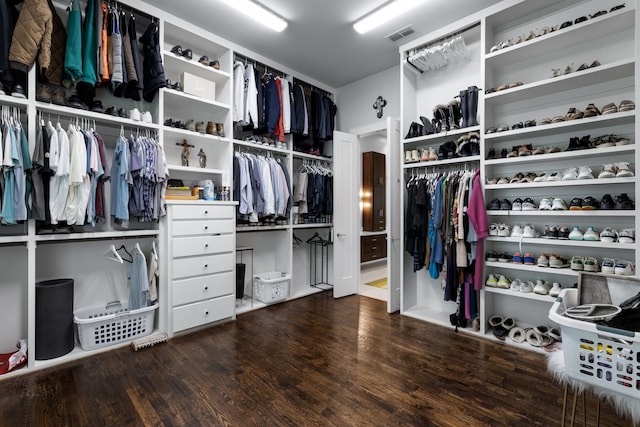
{"points": [[184, 133], [194, 170], [312, 225], [97, 235], [13, 101], [301, 155], [13, 240], [441, 136], [250, 228], [176, 97], [559, 242], [578, 79], [101, 118], [454, 161], [564, 155], [518, 294], [592, 29], [262, 147], [567, 213], [569, 183], [566, 271], [579, 125], [175, 65]]}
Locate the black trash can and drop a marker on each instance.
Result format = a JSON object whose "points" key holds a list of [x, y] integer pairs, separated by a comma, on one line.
{"points": [[240, 270], [54, 318]]}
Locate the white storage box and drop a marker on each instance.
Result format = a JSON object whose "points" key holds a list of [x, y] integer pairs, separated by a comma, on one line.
{"points": [[112, 323], [596, 354], [271, 287], [198, 86]]}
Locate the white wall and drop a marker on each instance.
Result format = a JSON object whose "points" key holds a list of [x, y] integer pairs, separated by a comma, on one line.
{"points": [[355, 100]]}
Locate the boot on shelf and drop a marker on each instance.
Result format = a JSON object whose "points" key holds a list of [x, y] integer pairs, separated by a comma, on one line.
{"points": [[454, 114], [427, 126], [464, 109], [472, 105]]}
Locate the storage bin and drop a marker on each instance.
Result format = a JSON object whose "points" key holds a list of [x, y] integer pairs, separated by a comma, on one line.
{"points": [[596, 354], [198, 86], [113, 323], [271, 287], [54, 318]]}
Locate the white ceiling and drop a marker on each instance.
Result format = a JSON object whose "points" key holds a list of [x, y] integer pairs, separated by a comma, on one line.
{"points": [[320, 41]]}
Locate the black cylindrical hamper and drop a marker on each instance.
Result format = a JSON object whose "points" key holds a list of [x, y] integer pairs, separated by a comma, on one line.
{"points": [[54, 318], [240, 270]]}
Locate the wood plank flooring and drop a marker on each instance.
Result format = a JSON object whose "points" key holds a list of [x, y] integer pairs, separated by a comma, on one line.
{"points": [[315, 361]]}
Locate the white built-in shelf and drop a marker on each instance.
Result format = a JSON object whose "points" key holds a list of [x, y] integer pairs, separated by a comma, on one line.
{"points": [[567, 213], [569, 183], [11, 240], [100, 118], [440, 136], [454, 161], [248, 228], [194, 67], [566, 82], [605, 25], [314, 225], [207, 104], [184, 133], [560, 242], [13, 101], [532, 268], [301, 155], [563, 155], [96, 235], [199, 171], [261, 147], [518, 294]]}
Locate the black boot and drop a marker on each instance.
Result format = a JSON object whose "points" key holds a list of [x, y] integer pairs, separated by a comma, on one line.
{"points": [[427, 125], [472, 105], [463, 107], [454, 115]]}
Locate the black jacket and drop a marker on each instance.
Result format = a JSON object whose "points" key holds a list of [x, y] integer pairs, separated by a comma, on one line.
{"points": [[8, 18], [153, 71]]}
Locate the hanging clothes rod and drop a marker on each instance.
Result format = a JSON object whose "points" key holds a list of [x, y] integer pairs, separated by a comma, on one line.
{"points": [[312, 87], [443, 39], [246, 60]]}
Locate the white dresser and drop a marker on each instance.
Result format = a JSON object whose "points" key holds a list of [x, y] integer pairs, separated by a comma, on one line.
{"points": [[199, 243]]}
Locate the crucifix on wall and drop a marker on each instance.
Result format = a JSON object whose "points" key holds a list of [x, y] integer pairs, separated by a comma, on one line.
{"points": [[185, 151], [379, 105]]}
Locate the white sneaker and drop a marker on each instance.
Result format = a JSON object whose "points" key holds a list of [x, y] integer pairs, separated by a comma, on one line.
{"points": [[625, 268], [622, 170], [146, 117], [607, 171], [526, 287], [575, 234], [577, 263], [555, 290], [545, 204], [569, 174], [516, 205], [590, 235], [134, 114], [528, 205], [627, 235], [503, 230], [608, 265], [493, 229], [585, 172], [542, 178], [608, 235], [558, 205], [492, 281], [554, 176], [503, 282], [515, 285], [516, 231], [590, 264], [541, 287], [529, 231]]}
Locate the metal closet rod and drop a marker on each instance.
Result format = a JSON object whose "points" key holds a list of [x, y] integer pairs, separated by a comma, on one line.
{"points": [[312, 87], [240, 57], [445, 38], [138, 13]]}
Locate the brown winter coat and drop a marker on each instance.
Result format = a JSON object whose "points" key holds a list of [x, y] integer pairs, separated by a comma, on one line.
{"points": [[58, 47], [32, 36]]}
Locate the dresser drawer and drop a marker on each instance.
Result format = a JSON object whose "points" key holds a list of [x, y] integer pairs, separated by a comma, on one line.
{"points": [[202, 245], [201, 313], [201, 265], [201, 227], [186, 291], [203, 212]]}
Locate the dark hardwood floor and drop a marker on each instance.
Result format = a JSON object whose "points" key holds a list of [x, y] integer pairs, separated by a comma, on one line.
{"points": [[315, 361]]}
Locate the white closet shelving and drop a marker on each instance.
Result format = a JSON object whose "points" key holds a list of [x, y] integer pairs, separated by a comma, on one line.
{"points": [[610, 39]]}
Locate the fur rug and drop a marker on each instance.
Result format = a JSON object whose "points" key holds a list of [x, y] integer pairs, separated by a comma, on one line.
{"points": [[625, 406]]}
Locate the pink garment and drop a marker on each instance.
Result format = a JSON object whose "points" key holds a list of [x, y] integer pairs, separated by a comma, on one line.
{"points": [[478, 217]]}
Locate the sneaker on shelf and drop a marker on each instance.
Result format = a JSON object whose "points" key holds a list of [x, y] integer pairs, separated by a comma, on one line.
{"points": [[609, 235], [503, 230], [134, 114], [529, 231], [545, 204], [492, 281], [550, 232], [516, 231], [505, 205], [517, 258], [585, 172], [526, 287], [576, 204], [558, 261], [590, 264], [590, 234], [529, 259], [543, 260], [146, 117], [504, 257], [493, 229], [589, 204], [503, 282], [528, 205], [494, 205], [608, 265], [554, 176], [570, 174], [542, 178], [577, 263], [623, 202], [623, 170], [608, 171], [558, 205], [555, 289], [625, 268], [576, 233], [517, 204], [492, 256], [627, 235], [515, 285], [563, 233], [607, 202], [541, 287]]}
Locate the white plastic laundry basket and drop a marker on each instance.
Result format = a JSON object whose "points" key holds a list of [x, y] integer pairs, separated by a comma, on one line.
{"points": [[271, 287]]}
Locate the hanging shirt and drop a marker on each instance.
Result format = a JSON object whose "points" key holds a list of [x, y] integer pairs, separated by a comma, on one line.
{"points": [[250, 97], [59, 183], [119, 184], [286, 106], [238, 92]]}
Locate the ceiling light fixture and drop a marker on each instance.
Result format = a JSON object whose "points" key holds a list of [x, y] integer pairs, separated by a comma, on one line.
{"points": [[385, 14], [259, 13]]}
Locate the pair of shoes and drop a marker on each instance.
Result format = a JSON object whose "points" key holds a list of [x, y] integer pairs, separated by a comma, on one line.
{"points": [[589, 264], [555, 204], [204, 60], [175, 86], [75, 102], [581, 143], [623, 202], [527, 231], [610, 235], [186, 53], [584, 65], [55, 95], [558, 261], [616, 170], [587, 204], [541, 287], [582, 172], [610, 141], [501, 326]]}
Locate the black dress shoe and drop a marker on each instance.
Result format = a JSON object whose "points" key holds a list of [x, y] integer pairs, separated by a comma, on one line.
{"points": [[123, 113], [187, 53], [75, 102], [204, 60], [566, 24], [112, 111], [177, 49], [580, 19], [215, 64], [96, 106]]}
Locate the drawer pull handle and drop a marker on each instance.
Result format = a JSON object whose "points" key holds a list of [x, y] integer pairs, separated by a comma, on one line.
{"points": [[374, 240], [206, 266], [206, 245], [206, 212], [373, 248], [206, 288], [206, 227], [206, 313]]}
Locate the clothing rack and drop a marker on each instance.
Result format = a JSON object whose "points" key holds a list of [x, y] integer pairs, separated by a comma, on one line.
{"points": [[131, 10], [267, 68], [312, 87], [319, 252], [260, 151]]}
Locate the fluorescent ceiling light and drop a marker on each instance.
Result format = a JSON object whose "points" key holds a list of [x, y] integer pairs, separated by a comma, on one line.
{"points": [[385, 14], [259, 13]]}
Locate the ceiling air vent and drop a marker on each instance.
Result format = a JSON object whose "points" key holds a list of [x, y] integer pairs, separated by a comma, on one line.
{"points": [[400, 34]]}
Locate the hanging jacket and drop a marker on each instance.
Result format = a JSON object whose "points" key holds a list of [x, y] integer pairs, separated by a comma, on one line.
{"points": [[134, 92], [32, 36], [8, 18], [54, 72], [153, 71], [73, 53], [90, 44]]}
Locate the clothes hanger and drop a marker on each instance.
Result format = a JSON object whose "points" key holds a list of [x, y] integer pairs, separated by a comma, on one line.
{"points": [[154, 251], [113, 255], [127, 252]]}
